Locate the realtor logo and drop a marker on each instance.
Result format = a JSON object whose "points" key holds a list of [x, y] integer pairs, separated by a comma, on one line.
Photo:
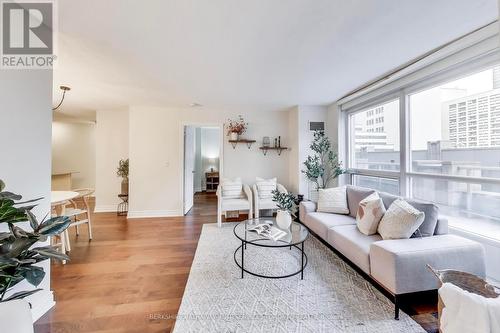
{"points": [[27, 34]]}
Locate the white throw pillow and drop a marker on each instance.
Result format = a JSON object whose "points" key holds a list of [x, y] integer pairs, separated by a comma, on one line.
{"points": [[265, 187], [370, 211], [333, 200], [400, 221], [232, 188]]}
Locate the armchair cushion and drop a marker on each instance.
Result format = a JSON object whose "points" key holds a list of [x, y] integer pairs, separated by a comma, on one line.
{"points": [[265, 187], [232, 188]]}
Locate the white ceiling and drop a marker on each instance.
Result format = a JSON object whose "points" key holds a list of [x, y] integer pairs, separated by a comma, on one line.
{"points": [[267, 54]]}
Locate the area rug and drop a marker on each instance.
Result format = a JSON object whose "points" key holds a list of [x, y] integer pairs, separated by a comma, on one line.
{"points": [[331, 298]]}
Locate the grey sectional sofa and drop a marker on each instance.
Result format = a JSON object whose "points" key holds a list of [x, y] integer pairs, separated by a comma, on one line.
{"points": [[399, 266]]}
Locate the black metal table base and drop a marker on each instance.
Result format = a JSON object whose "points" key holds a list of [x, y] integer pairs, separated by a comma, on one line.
{"points": [[243, 246]]}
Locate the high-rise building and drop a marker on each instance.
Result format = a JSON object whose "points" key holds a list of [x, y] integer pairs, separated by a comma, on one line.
{"points": [[474, 121]]}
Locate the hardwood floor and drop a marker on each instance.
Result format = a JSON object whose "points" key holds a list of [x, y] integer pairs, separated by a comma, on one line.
{"points": [[132, 275]]}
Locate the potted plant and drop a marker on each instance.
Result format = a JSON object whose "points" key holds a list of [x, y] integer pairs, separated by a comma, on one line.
{"points": [[122, 172], [285, 203], [19, 253], [236, 127], [323, 166]]}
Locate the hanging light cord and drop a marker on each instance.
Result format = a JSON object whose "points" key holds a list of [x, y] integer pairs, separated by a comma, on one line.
{"points": [[64, 89]]}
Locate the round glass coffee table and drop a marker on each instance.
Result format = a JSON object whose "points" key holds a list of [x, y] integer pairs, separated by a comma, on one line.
{"points": [[294, 239]]}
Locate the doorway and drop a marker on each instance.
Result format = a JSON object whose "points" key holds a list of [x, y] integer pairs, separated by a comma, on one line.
{"points": [[202, 165]]}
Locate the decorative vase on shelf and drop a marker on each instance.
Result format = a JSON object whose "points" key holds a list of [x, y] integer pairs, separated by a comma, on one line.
{"points": [[234, 136], [283, 219], [124, 186]]}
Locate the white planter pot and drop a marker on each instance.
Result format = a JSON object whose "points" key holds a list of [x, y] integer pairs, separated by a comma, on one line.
{"points": [[15, 316], [314, 195], [233, 136], [283, 219]]}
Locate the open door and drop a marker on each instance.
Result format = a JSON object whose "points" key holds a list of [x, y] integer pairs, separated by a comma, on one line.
{"points": [[189, 167]]}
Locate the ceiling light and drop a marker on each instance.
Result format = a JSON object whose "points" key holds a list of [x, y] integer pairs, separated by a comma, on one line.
{"points": [[195, 105], [64, 89]]}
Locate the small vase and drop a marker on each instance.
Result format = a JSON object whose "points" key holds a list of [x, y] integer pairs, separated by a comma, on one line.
{"points": [[125, 186], [234, 136], [283, 219]]}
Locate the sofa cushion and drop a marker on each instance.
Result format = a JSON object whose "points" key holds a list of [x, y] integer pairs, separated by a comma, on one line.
{"points": [[400, 220], [371, 209], [333, 200], [400, 265], [319, 223], [353, 244], [431, 211], [354, 196]]}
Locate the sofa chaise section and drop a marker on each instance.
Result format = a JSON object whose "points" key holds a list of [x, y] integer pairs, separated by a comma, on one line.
{"points": [[400, 265]]}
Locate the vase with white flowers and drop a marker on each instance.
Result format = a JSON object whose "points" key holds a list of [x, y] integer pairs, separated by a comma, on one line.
{"points": [[236, 127], [285, 202]]}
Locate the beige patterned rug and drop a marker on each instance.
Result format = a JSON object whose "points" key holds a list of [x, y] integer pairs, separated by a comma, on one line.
{"points": [[331, 298]]}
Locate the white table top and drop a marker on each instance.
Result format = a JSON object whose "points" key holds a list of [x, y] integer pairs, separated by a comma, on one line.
{"points": [[58, 197]]}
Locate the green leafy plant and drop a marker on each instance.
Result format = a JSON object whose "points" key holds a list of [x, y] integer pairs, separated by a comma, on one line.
{"points": [[122, 170], [284, 201], [18, 251], [323, 166]]}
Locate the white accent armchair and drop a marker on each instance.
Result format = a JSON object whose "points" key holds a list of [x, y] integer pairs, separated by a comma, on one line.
{"points": [[231, 204], [265, 203]]}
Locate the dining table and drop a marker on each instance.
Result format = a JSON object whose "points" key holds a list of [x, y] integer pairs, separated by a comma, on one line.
{"points": [[58, 201]]}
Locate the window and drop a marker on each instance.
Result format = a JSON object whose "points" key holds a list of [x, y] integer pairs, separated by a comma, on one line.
{"points": [[453, 140], [460, 120], [375, 143], [378, 183]]}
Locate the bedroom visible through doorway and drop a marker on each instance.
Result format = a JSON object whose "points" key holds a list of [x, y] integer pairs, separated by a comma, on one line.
{"points": [[202, 150]]}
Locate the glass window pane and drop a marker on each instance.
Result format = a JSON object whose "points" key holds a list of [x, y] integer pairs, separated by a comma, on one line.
{"points": [[374, 142], [455, 127], [377, 183], [458, 198]]}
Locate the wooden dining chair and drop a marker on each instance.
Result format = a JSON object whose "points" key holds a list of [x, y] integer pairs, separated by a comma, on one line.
{"points": [[79, 212]]}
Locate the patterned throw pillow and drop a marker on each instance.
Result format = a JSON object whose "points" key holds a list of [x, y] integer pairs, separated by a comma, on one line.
{"points": [[370, 211], [333, 200], [265, 187], [400, 221], [232, 188]]}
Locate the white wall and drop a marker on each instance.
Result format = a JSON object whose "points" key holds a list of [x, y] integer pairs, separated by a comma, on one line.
{"points": [[25, 133], [73, 150], [299, 119], [112, 144], [156, 154]]}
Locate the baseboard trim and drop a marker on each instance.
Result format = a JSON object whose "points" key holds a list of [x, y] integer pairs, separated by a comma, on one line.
{"points": [[139, 214], [105, 209]]}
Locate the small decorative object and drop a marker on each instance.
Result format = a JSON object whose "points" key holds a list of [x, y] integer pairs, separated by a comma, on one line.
{"points": [[300, 198], [285, 203], [275, 142], [122, 172], [279, 141], [236, 127], [20, 254], [323, 166], [266, 142]]}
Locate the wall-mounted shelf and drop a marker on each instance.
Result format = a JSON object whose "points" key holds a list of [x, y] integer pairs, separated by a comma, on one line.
{"points": [[247, 142], [278, 149]]}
